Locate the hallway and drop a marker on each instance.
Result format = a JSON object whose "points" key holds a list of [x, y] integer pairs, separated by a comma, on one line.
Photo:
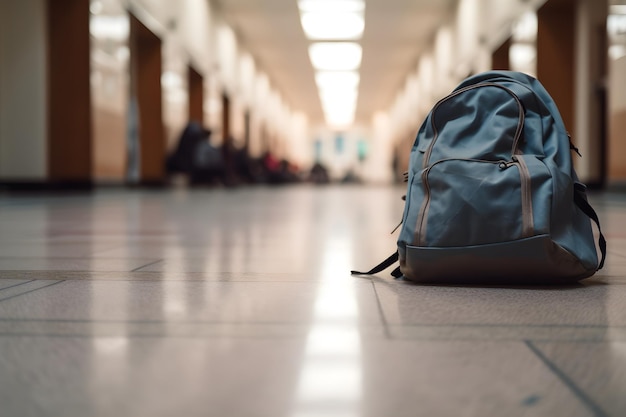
{"points": [[239, 302]]}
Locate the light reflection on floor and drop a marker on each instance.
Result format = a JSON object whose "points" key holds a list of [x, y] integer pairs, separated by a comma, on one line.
{"points": [[330, 383]]}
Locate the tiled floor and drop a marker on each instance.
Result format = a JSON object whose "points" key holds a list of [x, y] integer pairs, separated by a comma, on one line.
{"points": [[240, 303]]}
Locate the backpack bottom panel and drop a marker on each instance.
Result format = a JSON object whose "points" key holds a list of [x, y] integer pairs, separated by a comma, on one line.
{"points": [[534, 260]]}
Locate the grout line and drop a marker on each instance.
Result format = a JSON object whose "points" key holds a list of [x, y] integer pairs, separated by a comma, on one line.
{"points": [[384, 322], [107, 249], [147, 265], [16, 285], [35, 289], [381, 312], [158, 336], [510, 325], [348, 323], [89, 334], [578, 392]]}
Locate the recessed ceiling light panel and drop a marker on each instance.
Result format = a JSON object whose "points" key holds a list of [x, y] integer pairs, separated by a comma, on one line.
{"points": [[335, 56], [332, 80], [336, 6], [332, 26]]}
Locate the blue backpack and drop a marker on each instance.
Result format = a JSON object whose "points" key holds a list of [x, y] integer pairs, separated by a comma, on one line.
{"points": [[492, 195]]}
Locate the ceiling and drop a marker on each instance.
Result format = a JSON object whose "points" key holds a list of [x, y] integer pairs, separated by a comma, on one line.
{"points": [[396, 33]]}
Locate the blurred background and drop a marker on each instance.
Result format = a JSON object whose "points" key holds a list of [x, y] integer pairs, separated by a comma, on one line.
{"points": [[227, 92]]}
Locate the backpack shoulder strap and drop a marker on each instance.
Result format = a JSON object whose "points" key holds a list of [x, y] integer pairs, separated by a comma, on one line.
{"points": [[585, 207], [382, 266]]}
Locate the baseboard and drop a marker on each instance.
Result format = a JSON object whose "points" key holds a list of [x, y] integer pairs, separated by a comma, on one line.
{"points": [[74, 186], [616, 187], [45, 186]]}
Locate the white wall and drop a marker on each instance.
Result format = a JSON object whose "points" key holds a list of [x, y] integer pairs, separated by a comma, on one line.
{"points": [[194, 31], [378, 167], [23, 146], [589, 16]]}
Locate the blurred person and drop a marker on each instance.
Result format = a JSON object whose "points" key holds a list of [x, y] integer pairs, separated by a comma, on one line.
{"points": [[196, 157], [319, 174]]}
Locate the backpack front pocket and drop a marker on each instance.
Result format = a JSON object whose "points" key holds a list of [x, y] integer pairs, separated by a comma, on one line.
{"points": [[474, 202]]}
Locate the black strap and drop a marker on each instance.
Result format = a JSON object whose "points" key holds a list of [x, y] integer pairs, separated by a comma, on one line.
{"points": [[574, 148], [381, 266], [396, 273], [585, 207]]}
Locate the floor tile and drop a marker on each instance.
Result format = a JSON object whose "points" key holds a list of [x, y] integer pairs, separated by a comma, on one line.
{"points": [[51, 250], [27, 287], [236, 302], [77, 377], [594, 305], [597, 370], [117, 376], [73, 264], [158, 276], [268, 266], [8, 283], [462, 378], [178, 329], [478, 332]]}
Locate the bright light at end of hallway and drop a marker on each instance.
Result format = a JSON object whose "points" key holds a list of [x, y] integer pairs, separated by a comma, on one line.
{"points": [[339, 106], [338, 92]]}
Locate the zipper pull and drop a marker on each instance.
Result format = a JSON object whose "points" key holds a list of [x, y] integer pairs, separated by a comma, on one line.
{"points": [[506, 164]]}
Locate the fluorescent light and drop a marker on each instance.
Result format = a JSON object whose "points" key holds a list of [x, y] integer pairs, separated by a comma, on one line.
{"points": [[526, 28], [338, 99], [335, 56], [336, 62], [96, 7], [330, 80], [338, 92], [338, 26], [617, 9], [522, 54], [339, 106], [336, 6], [171, 79], [616, 24], [115, 28], [616, 52]]}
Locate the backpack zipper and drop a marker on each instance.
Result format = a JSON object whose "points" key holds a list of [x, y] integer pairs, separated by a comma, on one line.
{"points": [[518, 131], [419, 237], [528, 225]]}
